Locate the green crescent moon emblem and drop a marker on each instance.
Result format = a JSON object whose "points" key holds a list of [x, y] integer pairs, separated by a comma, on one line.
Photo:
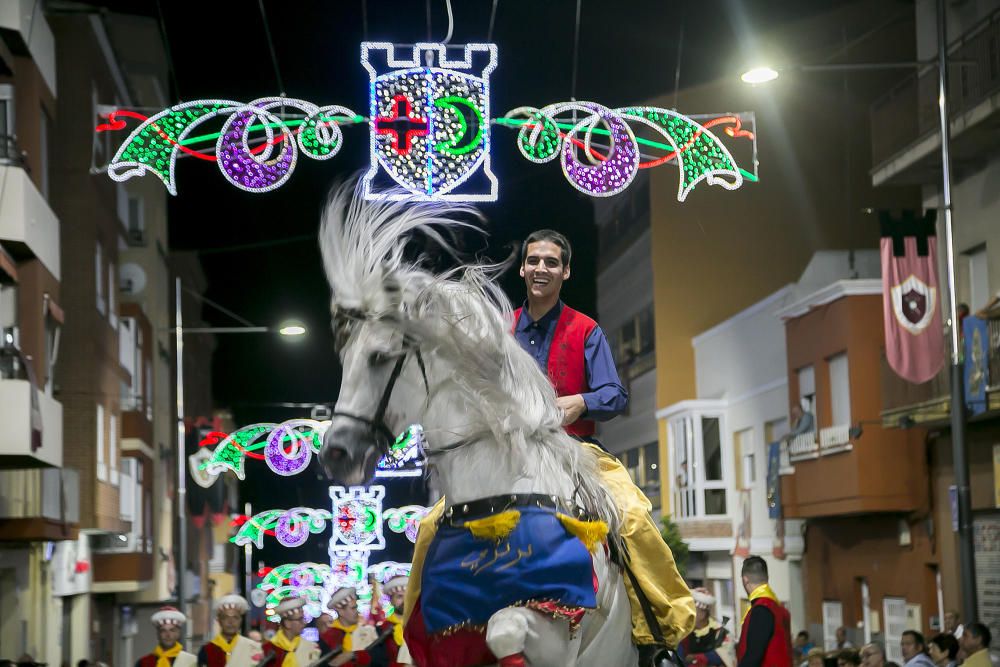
{"points": [[457, 145]]}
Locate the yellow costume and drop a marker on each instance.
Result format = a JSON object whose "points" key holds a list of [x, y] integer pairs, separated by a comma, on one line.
{"points": [[650, 558]]}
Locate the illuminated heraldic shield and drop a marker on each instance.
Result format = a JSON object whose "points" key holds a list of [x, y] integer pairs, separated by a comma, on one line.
{"points": [[429, 117], [913, 302]]}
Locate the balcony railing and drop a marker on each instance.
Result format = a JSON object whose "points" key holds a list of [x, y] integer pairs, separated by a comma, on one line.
{"points": [[835, 439], [803, 447], [41, 493], [908, 111]]}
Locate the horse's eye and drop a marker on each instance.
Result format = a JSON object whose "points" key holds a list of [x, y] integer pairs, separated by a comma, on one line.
{"points": [[378, 358]]}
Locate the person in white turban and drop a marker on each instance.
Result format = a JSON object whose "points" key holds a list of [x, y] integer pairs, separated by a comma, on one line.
{"points": [[229, 647], [169, 652]]}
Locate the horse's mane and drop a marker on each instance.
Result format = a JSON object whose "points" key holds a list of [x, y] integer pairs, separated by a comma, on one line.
{"points": [[461, 317]]}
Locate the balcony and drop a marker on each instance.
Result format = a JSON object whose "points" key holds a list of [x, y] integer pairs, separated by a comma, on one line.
{"points": [[905, 123], [905, 404], [19, 442], [39, 504], [121, 572], [27, 32], [27, 225]]}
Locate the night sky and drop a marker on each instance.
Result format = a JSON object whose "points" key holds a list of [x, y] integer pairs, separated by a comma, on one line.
{"points": [[628, 53]]}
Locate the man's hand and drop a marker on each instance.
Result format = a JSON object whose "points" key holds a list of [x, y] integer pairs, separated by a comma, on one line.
{"points": [[572, 407]]}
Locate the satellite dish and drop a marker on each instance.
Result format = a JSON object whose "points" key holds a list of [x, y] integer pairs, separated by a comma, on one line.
{"points": [[132, 278]]}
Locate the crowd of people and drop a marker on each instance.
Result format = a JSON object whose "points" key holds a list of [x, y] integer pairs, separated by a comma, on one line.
{"points": [[765, 639]]}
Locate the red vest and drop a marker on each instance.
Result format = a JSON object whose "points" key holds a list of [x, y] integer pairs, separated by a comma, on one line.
{"points": [[779, 649], [566, 366], [213, 656]]}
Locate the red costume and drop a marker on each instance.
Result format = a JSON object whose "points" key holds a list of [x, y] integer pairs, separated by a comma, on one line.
{"points": [[566, 365], [778, 651]]}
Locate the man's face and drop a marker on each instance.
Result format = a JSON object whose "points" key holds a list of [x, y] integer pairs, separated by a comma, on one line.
{"points": [[937, 655], [871, 657], [796, 412], [348, 613], [323, 622], [841, 635], [969, 643], [230, 621], [950, 622], [168, 635], [398, 599], [543, 270], [908, 644], [800, 641], [292, 627]]}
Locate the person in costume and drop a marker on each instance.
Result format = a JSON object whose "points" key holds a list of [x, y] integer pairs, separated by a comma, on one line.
{"points": [[709, 643], [395, 588], [766, 636], [289, 647], [574, 352], [348, 633], [169, 652], [229, 647]]}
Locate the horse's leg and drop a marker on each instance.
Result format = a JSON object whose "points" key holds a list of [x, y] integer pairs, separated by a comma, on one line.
{"points": [[521, 637]]}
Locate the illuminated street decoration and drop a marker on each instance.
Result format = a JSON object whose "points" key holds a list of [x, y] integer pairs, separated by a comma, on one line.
{"points": [[357, 518], [405, 519], [430, 134], [289, 448], [291, 527], [427, 113]]}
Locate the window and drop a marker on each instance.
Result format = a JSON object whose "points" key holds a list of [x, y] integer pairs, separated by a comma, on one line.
{"points": [[113, 447], [8, 151], [149, 392], [44, 126], [979, 278], [52, 330], [99, 277], [634, 342], [112, 290], [807, 388], [894, 615], [743, 452], [102, 470], [698, 465], [136, 223], [643, 465], [840, 389], [833, 619], [775, 429]]}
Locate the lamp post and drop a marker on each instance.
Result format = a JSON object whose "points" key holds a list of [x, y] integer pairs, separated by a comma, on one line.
{"points": [[960, 459], [286, 330]]}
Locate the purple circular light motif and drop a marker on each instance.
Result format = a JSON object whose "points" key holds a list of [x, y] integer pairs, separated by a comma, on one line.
{"points": [[255, 173], [283, 463], [617, 171], [292, 529]]}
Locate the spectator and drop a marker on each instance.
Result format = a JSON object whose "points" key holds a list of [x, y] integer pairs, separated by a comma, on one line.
{"points": [[913, 647], [976, 644], [815, 657], [802, 422], [842, 641], [765, 638], [848, 658], [943, 649], [256, 636], [952, 625], [873, 655], [709, 643]]}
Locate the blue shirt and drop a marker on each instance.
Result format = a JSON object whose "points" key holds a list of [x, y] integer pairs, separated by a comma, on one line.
{"points": [[606, 397]]}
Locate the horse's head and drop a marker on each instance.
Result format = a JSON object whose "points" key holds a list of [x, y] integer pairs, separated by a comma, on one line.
{"points": [[382, 388]]}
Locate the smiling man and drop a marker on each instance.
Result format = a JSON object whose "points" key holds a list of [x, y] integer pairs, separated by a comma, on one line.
{"points": [[574, 352], [567, 344]]}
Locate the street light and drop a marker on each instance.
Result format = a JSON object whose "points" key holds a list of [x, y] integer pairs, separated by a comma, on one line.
{"points": [[960, 458], [759, 75], [288, 329]]}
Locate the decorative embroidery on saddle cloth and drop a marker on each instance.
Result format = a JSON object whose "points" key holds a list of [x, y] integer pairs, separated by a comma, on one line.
{"points": [[467, 579]]}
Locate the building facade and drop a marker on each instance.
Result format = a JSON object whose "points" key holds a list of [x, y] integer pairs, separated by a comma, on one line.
{"points": [[906, 151], [39, 498]]}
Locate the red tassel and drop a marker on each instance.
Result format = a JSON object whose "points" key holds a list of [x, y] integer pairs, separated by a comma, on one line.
{"points": [[515, 660]]}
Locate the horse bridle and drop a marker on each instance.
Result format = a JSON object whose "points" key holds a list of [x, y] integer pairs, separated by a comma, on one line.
{"points": [[380, 431]]}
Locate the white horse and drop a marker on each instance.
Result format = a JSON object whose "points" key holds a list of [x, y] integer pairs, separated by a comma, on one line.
{"points": [[437, 350]]}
